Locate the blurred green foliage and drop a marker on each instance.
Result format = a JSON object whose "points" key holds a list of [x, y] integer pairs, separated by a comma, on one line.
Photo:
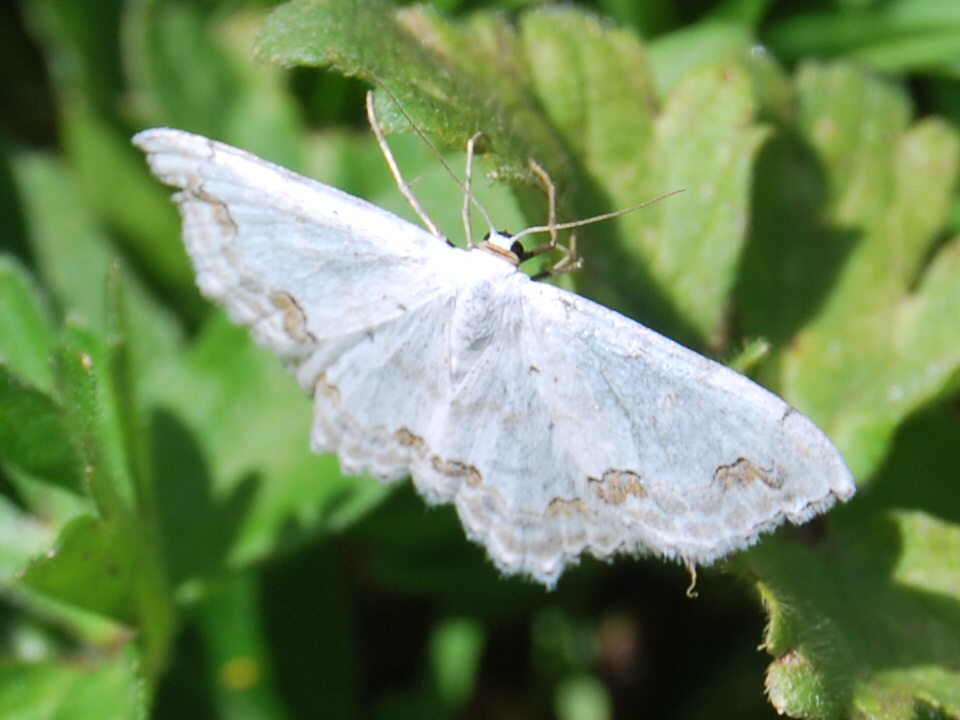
{"points": [[170, 548]]}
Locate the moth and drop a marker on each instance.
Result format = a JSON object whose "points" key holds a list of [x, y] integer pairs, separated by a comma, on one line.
{"points": [[554, 425]]}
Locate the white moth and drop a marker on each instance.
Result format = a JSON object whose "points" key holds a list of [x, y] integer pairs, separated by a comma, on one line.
{"points": [[554, 425]]}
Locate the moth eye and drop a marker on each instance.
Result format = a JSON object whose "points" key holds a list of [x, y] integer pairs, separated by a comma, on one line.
{"points": [[517, 249]]}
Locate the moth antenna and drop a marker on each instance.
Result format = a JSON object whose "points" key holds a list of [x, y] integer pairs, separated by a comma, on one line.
{"points": [[595, 219]]}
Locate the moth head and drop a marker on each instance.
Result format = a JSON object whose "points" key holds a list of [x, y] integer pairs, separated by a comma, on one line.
{"points": [[502, 244]]}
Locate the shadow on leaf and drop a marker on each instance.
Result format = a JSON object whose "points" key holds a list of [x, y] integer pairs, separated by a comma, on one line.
{"points": [[793, 257], [198, 528]]}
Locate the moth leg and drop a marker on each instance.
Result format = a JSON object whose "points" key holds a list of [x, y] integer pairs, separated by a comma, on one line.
{"points": [[395, 170], [570, 261]]}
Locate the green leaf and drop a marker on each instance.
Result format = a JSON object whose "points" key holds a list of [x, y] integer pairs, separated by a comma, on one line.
{"points": [[192, 70], [928, 439], [82, 46], [26, 330], [672, 264], [113, 178], [93, 566], [583, 698], [108, 564], [22, 537], [72, 253], [81, 396], [865, 271], [678, 53], [198, 527], [75, 256], [124, 395], [110, 689], [34, 434], [450, 81], [869, 626], [900, 35], [95, 562], [140, 524], [238, 655], [234, 401], [456, 648], [14, 238], [39, 438]]}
